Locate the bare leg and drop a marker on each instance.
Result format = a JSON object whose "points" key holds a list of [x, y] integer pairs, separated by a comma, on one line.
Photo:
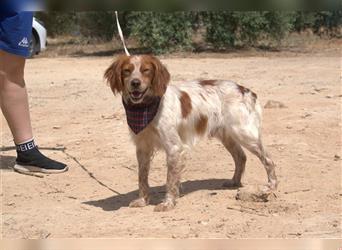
{"points": [[13, 96], [14, 105], [173, 181], [144, 159], [239, 159]]}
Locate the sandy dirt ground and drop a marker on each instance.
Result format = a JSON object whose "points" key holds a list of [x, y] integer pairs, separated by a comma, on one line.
{"points": [[77, 120]]}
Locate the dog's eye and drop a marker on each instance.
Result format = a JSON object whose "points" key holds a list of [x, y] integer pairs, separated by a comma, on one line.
{"points": [[146, 71], [126, 72]]}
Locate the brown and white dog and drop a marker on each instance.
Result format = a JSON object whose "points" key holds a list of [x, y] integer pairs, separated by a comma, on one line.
{"points": [[187, 112]]}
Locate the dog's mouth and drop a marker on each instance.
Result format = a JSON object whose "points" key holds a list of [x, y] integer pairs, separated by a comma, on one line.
{"points": [[137, 95]]}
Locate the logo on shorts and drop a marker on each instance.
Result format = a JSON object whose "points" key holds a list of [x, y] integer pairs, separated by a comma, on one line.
{"points": [[24, 42]]}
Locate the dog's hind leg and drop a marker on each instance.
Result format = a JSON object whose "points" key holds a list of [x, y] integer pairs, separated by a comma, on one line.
{"points": [[144, 159], [239, 157], [244, 126], [257, 149], [253, 143]]}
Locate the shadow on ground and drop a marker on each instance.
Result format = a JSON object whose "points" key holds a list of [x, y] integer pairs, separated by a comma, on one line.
{"points": [[157, 194], [7, 162]]}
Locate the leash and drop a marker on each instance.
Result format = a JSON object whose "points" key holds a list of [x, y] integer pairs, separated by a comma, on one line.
{"points": [[120, 33]]}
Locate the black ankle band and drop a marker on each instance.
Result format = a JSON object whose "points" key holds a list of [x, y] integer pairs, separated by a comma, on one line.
{"points": [[23, 147]]}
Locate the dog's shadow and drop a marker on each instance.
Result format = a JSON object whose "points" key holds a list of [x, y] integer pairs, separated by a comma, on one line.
{"points": [[156, 194]]}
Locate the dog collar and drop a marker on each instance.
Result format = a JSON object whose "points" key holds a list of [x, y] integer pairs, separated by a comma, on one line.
{"points": [[140, 115]]}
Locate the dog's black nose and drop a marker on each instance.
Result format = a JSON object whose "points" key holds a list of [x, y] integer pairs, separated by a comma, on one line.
{"points": [[135, 83]]}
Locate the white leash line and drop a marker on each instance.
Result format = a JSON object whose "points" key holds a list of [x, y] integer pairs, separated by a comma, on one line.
{"points": [[120, 34]]}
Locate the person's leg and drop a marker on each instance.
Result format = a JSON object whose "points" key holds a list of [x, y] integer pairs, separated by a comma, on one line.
{"points": [[15, 33], [13, 96], [14, 106]]}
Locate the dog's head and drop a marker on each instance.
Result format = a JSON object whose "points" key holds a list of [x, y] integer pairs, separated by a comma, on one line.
{"points": [[138, 78]]}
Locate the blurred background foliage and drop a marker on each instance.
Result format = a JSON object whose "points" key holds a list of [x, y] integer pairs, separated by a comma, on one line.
{"points": [[163, 32]]}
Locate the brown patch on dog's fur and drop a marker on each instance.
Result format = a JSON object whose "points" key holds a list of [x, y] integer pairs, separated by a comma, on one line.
{"points": [[201, 124], [207, 82], [113, 74], [243, 90], [186, 105], [161, 76], [205, 99]]}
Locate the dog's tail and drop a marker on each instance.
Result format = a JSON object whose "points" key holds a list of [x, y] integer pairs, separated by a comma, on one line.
{"points": [[248, 95], [251, 101]]}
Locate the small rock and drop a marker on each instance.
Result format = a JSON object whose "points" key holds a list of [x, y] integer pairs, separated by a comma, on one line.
{"points": [[306, 115], [204, 223], [10, 221], [56, 127], [43, 234], [295, 234], [108, 117], [274, 104], [337, 158], [254, 194], [319, 90]]}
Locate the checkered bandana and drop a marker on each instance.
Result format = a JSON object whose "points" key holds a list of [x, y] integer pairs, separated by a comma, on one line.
{"points": [[139, 116]]}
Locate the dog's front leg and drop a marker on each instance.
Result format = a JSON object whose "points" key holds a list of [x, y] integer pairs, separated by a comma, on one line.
{"points": [[173, 180], [144, 159]]}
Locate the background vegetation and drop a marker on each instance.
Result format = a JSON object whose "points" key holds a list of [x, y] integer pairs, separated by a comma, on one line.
{"points": [[186, 31]]}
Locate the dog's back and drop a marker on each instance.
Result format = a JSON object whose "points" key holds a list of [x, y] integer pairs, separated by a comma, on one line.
{"points": [[207, 108]]}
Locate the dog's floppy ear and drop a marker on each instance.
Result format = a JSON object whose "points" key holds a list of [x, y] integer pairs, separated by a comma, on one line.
{"points": [[161, 77], [113, 74]]}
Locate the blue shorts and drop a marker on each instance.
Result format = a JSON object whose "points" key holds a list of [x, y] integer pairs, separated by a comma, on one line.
{"points": [[15, 32]]}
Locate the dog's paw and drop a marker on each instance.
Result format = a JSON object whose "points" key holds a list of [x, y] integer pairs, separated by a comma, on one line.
{"points": [[140, 202], [165, 206], [231, 184], [270, 187]]}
